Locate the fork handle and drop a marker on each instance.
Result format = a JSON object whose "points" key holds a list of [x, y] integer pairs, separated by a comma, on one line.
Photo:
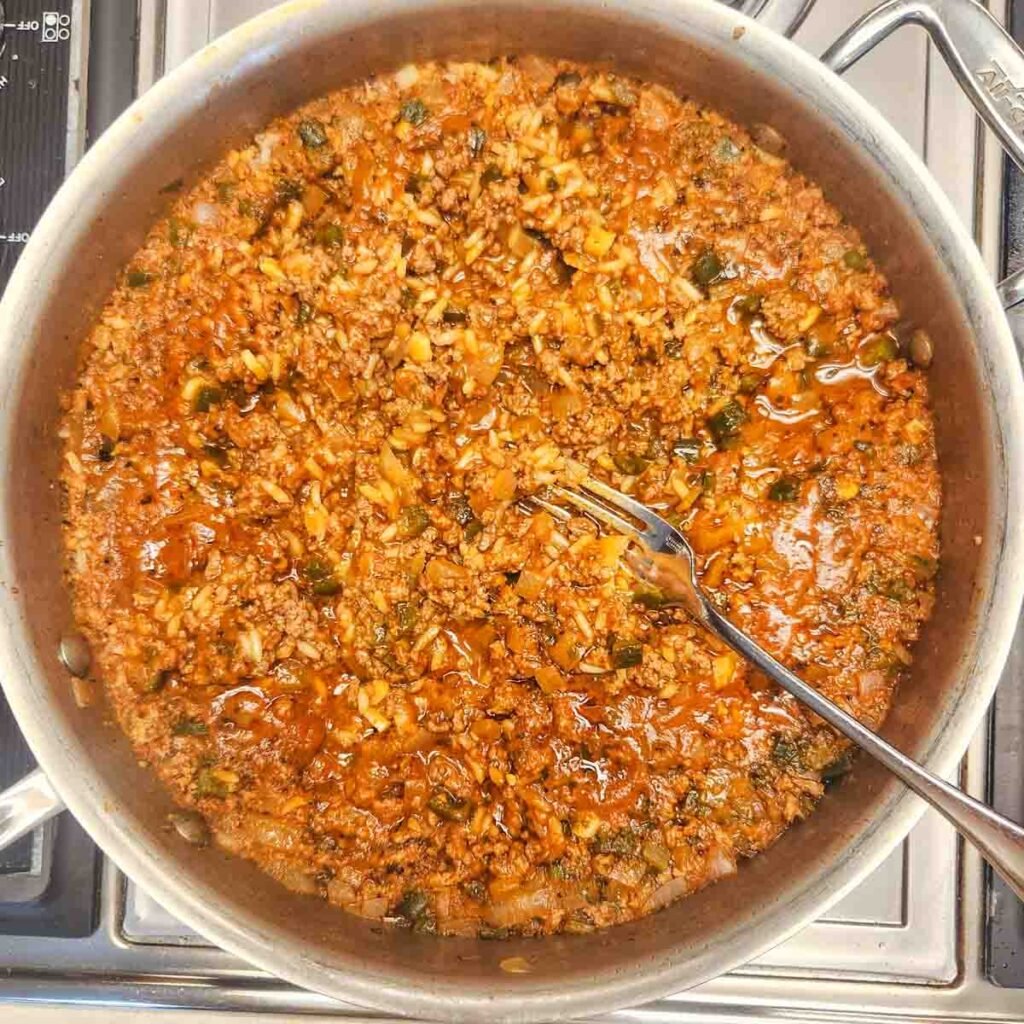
{"points": [[999, 840]]}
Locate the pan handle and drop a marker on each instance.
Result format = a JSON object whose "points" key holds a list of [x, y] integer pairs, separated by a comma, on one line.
{"points": [[984, 59], [28, 803], [783, 16]]}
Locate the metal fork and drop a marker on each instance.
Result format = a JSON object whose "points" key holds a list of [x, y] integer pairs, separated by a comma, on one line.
{"points": [[667, 561]]}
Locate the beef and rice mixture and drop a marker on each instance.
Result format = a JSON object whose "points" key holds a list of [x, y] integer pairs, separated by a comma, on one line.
{"points": [[297, 469]]}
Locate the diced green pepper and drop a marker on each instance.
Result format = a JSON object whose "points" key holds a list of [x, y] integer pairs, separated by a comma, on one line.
{"points": [[629, 464], [687, 448], [179, 233], [455, 316], [726, 151], [414, 111], [786, 488], [312, 133], [207, 784], [727, 421], [816, 348], [621, 843], [879, 349], [207, 397], [707, 268], [137, 278], [855, 259], [448, 806], [490, 174], [189, 727], [412, 521], [626, 653], [925, 569], [405, 618], [786, 753], [329, 235], [656, 854], [477, 141], [105, 450], [748, 305]]}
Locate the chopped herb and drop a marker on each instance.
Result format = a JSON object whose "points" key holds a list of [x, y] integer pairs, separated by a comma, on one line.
{"points": [[477, 141], [473, 529], [137, 278], [707, 481], [651, 597], [414, 184], [855, 259], [448, 806], [707, 268], [414, 111], [207, 397], [786, 488], [312, 133], [189, 727], [304, 312], [727, 421], [225, 191], [412, 521]]}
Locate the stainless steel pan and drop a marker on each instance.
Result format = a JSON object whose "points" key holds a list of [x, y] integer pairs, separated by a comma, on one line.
{"points": [[703, 49]]}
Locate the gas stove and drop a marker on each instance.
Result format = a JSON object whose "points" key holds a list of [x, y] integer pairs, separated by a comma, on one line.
{"points": [[928, 936]]}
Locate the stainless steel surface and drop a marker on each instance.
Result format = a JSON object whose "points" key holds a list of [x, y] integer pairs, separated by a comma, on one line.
{"points": [[784, 16], [905, 220], [669, 564], [26, 805], [986, 62]]}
